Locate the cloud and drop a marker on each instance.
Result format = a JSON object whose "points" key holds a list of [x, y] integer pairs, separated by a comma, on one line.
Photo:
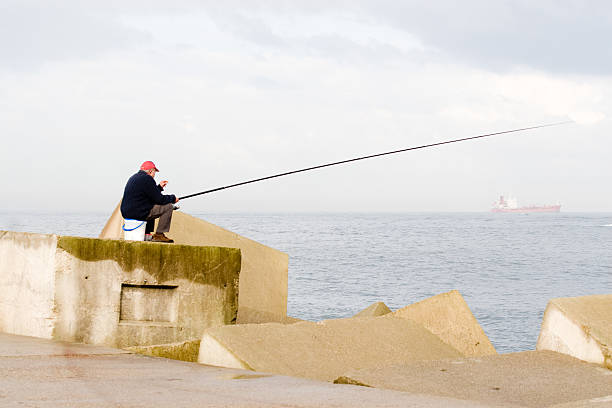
{"points": [[32, 34], [329, 32], [564, 37], [568, 37], [587, 118], [561, 37]]}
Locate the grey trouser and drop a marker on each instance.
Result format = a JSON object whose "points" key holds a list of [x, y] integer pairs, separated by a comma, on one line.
{"points": [[164, 213]]}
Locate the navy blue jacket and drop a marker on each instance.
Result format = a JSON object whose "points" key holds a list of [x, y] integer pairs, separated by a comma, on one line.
{"points": [[140, 195]]}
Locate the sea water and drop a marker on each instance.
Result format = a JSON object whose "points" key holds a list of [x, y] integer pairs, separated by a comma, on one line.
{"points": [[506, 266]]}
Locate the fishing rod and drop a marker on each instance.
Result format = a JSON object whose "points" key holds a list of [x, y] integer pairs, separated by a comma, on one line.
{"points": [[372, 156]]}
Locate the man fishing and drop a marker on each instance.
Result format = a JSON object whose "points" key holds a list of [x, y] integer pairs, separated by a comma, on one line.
{"points": [[143, 200]]}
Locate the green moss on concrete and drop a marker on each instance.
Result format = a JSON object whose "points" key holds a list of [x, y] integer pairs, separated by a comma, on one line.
{"points": [[185, 351], [209, 265], [350, 381]]}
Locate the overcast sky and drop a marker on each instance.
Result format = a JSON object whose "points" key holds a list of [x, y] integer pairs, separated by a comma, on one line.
{"points": [[221, 92]]}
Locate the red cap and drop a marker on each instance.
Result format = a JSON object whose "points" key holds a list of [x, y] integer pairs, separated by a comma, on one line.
{"points": [[148, 165]]}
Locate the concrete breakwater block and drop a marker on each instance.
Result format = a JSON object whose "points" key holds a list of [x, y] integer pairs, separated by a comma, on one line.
{"points": [[530, 379], [448, 316], [259, 316], [322, 350], [375, 309], [112, 292], [580, 327], [264, 270]]}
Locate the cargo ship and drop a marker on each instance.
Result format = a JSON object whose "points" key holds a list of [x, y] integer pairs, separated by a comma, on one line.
{"points": [[511, 206]]}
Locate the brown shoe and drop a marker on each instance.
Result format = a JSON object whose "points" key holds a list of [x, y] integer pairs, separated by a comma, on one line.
{"points": [[161, 238]]}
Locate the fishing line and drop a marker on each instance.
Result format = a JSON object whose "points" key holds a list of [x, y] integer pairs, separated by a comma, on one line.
{"points": [[372, 156]]}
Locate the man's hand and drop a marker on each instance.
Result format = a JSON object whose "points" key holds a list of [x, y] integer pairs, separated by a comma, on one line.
{"points": [[163, 183], [177, 200]]}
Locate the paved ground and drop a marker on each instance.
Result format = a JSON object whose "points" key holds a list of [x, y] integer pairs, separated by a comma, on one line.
{"points": [[44, 373], [529, 378]]}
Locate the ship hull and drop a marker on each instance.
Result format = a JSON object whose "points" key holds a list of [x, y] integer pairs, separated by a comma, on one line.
{"points": [[523, 210]]}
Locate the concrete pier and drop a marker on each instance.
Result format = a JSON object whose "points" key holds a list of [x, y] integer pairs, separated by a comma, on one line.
{"points": [[182, 301], [113, 292], [44, 373]]}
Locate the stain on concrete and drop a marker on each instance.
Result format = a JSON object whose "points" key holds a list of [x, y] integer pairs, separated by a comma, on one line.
{"points": [[248, 376]]}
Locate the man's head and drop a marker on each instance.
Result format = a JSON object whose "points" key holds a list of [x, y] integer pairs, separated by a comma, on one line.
{"points": [[149, 167]]}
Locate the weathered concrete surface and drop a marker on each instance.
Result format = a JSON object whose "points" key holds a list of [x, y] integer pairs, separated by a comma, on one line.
{"points": [[259, 316], [112, 292], [323, 350], [374, 310], [27, 283], [580, 327], [449, 317], [44, 373], [12, 345], [531, 379], [599, 402], [264, 271]]}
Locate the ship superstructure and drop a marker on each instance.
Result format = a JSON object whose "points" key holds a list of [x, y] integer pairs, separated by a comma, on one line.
{"points": [[510, 205]]}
